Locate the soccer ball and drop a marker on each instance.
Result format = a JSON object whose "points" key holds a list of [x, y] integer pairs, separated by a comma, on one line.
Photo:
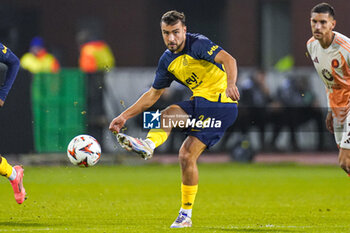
{"points": [[84, 151]]}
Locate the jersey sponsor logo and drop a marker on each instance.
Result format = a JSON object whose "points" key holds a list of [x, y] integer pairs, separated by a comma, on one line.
{"points": [[315, 60], [192, 79], [4, 50], [327, 75], [212, 49], [192, 88], [334, 86], [335, 63]]}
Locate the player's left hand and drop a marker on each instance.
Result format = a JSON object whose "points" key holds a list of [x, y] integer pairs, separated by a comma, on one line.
{"points": [[232, 92], [2, 103]]}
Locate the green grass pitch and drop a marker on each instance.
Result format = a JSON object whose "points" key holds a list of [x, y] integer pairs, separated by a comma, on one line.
{"points": [[231, 198]]}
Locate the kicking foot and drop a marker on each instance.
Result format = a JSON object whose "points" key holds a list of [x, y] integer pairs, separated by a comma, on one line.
{"points": [[17, 185], [136, 145], [182, 221]]}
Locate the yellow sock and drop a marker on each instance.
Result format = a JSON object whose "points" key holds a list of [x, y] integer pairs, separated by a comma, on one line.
{"points": [[157, 136], [5, 168], [188, 195]]}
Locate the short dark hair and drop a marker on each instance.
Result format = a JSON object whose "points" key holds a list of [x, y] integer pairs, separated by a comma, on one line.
{"points": [[172, 17], [323, 8]]}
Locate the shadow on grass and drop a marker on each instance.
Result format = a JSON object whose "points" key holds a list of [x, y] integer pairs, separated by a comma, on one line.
{"points": [[27, 224], [247, 229]]}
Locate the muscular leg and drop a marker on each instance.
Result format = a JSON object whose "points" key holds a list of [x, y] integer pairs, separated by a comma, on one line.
{"points": [[190, 150], [344, 159]]}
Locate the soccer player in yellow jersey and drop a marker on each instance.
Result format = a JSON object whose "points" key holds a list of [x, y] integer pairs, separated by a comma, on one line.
{"points": [[210, 73], [14, 174]]}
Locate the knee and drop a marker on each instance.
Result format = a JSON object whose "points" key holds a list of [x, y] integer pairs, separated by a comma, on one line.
{"points": [[168, 113], [170, 109], [185, 157]]}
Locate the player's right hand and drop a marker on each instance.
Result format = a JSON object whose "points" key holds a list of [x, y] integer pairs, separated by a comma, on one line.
{"points": [[116, 124], [232, 92], [329, 122], [2, 103]]}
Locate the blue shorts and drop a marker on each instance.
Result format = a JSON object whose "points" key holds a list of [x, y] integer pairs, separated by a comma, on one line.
{"points": [[220, 114]]}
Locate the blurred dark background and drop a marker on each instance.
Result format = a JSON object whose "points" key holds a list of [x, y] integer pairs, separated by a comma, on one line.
{"points": [[256, 32]]}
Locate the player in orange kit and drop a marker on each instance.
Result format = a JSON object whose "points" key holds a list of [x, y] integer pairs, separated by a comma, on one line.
{"points": [[330, 53]]}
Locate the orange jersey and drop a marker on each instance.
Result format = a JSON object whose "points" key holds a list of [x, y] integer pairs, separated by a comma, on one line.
{"points": [[332, 65]]}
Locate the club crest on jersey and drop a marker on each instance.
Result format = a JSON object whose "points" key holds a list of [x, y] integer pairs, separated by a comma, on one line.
{"points": [[327, 75], [315, 60], [335, 63], [4, 50], [185, 62]]}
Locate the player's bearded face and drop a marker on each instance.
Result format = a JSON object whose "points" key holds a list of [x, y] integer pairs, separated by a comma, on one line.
{"points": [[322, 25], [174, 36]]}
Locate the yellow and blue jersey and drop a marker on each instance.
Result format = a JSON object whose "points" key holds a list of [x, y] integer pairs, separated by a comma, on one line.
{"points": [[12, 63], [195, 68]]}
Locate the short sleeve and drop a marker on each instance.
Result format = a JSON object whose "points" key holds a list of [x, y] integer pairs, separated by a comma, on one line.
{"points": [[163, 77], [4, 53], [12, 62], [205, 49], [308, 45], [308, 48]]}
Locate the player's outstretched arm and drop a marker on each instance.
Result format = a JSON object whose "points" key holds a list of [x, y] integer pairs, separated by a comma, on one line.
{"points": [[230, 65], [142, 104]]}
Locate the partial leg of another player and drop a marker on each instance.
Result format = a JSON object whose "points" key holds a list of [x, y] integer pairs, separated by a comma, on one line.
{"points": [[344, 159], [189, 152], [15, 176]]}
